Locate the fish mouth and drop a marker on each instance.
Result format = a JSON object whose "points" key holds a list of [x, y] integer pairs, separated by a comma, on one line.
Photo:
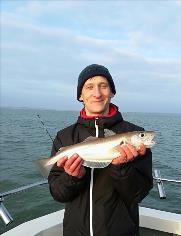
{"points": [[151, 144]]}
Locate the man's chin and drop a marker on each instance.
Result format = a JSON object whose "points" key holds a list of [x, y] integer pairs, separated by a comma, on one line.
{"points": [[98, 111]]}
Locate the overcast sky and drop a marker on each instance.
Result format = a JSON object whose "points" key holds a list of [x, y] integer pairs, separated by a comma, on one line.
{"points": [[45, 45]]}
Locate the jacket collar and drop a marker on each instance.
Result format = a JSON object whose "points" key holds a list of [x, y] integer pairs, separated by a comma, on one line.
{"points": [[107, 121]]}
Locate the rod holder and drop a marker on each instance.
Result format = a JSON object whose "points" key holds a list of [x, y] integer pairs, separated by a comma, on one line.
{"points": [[4, 214], [160, 186]]}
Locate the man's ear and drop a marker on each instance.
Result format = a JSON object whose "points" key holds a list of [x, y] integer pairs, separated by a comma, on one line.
{"points": [[80, 99], [112, 95]]}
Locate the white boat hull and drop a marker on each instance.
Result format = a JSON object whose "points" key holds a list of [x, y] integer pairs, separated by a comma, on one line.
{"points": [[152, 222]]}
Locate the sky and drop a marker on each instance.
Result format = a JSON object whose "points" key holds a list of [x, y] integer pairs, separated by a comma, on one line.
{"points": [[45, 44]]}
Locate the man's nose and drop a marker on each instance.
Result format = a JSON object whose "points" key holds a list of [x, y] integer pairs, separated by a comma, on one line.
{"points": [[97, 92]]}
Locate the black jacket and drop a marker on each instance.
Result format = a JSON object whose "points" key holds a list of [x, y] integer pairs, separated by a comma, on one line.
{"points": [[117, 189]]}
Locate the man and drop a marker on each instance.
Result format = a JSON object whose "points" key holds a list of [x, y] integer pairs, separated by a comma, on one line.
{"points": [[100, 202]]}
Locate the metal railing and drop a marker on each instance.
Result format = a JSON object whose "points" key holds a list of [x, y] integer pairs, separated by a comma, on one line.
{"points": [[4, 214], [159, 180], [7, 218]]}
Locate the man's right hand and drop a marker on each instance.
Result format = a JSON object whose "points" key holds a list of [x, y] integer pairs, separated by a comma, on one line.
{"points": [[72, 166]]}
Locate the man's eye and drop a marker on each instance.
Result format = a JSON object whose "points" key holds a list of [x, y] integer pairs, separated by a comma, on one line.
{"points": [[104, 86], [89, 87]]}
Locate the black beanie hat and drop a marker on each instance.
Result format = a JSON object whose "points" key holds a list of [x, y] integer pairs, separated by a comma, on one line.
{"points": [[91, 71]]}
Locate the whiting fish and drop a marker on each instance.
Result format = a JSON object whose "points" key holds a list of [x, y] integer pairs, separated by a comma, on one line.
{"points": [[98, 152]]}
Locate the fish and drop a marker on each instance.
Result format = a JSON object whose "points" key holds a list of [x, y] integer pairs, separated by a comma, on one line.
{"points": [[98, 152]]}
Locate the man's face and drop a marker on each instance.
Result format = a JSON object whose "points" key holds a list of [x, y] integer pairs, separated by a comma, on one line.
{"points": [[96, 95]]}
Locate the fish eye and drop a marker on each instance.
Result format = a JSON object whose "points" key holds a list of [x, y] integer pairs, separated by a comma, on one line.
{"points": [[141, 135]]}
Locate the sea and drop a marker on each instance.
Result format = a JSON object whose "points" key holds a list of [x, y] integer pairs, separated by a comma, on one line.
{"points": [[24, 139]]}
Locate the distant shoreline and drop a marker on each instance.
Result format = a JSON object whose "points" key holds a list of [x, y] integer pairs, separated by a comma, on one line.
{"points": [[49, 109]]}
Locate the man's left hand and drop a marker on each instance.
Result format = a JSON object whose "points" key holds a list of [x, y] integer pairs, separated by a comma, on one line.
{"points": [[129, 153]]}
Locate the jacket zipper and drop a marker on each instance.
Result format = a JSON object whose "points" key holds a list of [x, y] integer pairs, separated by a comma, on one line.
{"points": [[91, 185]]}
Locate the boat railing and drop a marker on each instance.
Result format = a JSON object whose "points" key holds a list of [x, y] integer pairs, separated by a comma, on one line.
{"points": [[7, 218], [4, 213]]}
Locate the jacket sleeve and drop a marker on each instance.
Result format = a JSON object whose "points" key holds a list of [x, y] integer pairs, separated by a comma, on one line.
{"points": [[133, 180], [63, 187]]}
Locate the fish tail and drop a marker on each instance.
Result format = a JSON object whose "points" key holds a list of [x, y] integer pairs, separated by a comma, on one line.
{"points": [[43, 167]]}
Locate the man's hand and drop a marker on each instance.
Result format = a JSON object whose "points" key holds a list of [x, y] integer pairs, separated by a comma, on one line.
{"points": [[129, 153], [72, 166]]}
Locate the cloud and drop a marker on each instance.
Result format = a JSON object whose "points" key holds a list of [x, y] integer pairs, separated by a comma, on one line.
{"points": [[41, 59]]}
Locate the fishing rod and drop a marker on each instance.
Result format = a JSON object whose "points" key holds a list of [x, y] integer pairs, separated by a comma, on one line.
{"points": [[44, 126]]}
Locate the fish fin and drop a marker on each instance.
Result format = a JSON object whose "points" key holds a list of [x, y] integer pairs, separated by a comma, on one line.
{"points": [[90, 138], [94, 164], [108, 132], [43, 167], [115, 149]]}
